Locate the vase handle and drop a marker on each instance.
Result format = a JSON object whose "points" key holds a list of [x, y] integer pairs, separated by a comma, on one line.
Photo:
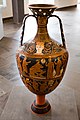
{"points": [[23, 28], [61, 28]]}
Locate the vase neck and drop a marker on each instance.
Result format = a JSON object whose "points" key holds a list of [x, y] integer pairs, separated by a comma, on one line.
{"points": [[42, 24], [42, 32], [42, 20]]}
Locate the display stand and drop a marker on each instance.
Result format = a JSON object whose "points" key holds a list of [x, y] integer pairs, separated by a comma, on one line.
{"points": [[62, 101], [2, 5], [65, 3]]}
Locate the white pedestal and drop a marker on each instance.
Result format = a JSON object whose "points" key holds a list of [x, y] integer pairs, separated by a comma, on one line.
{"points": [[2, 5], [1, 24], [65, 3], [41, 1]]}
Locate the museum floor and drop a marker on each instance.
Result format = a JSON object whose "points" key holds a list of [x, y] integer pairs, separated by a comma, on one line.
{"points": [[11, 87]]}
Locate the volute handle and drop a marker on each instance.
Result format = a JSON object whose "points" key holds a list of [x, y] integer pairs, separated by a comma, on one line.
{"points": [[23, 28], [61, 29]]}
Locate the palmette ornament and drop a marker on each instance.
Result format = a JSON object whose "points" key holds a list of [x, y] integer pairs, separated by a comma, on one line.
{"points": [[42, 62]]}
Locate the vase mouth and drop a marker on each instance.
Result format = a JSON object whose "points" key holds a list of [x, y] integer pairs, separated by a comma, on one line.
{"points": [[42, 9], [42, 6]]}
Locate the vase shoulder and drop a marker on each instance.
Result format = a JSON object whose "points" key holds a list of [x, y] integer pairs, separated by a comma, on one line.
{"points": [[43, 49]]}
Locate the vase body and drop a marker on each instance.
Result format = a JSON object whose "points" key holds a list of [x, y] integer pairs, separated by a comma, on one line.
{"points": [[42, 61]]}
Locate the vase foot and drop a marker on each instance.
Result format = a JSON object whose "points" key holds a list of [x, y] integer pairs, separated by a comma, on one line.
{"points": [[40, 109]]}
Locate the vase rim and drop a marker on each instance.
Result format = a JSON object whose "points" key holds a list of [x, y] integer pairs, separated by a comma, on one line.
{"points": [[42, 6]]}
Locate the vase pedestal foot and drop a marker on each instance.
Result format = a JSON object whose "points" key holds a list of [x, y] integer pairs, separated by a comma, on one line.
{"points": [[40, 105]]}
